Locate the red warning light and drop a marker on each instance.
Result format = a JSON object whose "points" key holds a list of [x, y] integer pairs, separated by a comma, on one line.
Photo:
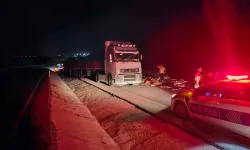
{"points": [[230, 77]]}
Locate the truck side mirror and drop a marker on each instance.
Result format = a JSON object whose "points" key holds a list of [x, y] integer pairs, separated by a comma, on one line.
{"points": [[110, 58], [141, 56]]}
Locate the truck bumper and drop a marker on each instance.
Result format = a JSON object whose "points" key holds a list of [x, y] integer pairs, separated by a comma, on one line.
{"points": [[122, 79], [127, 82]]}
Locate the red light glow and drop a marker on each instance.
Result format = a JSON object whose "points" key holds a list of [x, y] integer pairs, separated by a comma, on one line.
{"points": [[230, 77]]}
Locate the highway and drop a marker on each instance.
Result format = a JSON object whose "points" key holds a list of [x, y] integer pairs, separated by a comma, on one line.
{"points": [[19, 95], [149, 92]]}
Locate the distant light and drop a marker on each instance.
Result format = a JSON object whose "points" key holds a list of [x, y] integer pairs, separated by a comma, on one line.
{"points": [[230, 77]]}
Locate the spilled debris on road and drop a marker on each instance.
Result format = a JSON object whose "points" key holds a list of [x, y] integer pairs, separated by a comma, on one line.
{"points": [[166, 83]]}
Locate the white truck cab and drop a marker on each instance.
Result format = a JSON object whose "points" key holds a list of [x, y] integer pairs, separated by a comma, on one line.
{"points": [[122, 63]]}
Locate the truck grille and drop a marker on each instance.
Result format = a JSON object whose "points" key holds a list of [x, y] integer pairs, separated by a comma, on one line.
{"points": [[130, 70], [129, 76]]}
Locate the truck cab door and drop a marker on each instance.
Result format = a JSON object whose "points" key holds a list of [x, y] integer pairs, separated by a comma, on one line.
{"points": [[108, 63]]}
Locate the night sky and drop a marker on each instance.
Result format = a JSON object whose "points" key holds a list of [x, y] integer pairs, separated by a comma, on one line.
{"points": [[166, 31], [51, 27]]}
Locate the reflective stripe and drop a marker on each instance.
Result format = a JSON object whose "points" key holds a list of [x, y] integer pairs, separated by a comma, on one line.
{"points": [[222, 114]]}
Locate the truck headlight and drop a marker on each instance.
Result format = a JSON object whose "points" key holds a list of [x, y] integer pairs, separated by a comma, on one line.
{"points": [[137, 70]]}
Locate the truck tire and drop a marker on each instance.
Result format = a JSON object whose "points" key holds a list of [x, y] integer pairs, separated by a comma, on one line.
{"points": [[109, 80], [80, 74], [97, 77], [92, 76]]}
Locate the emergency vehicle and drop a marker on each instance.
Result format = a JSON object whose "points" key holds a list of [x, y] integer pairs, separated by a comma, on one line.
{"points": [[225, 103]]}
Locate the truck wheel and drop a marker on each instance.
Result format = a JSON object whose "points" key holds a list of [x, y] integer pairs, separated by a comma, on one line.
{"points": [[97, 77], [110, 80]]}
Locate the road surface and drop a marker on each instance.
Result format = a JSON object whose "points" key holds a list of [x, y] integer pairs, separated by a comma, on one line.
{"points": [[149, 92], [16, 88]]}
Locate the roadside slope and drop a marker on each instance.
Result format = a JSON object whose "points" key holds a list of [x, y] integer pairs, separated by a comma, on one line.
{"points": [[76, 127]]}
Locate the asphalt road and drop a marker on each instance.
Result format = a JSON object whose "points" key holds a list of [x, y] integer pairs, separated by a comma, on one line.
{"points": [[16, 87], [153, 93]]}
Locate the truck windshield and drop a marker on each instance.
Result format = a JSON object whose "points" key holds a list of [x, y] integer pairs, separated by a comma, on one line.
{"points": [[127, 57]]}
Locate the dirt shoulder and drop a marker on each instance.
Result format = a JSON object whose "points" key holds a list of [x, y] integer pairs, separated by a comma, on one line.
{"points": [[76, 127]]}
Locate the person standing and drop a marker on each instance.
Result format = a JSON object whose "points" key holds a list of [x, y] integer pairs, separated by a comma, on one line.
{"points": [[198, 78], [162, 71]]}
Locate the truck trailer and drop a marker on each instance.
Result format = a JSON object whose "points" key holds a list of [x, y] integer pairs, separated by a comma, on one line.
{"points": [[120, 65]]}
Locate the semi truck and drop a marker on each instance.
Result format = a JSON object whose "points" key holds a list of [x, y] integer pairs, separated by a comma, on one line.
{"points": [[120, 65]]}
